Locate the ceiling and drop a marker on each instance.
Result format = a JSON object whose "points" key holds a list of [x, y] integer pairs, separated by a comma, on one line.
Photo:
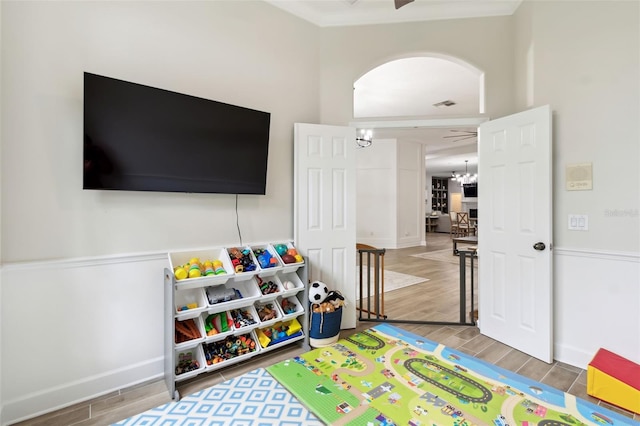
{"points": [[395, 89], [327, 13]]}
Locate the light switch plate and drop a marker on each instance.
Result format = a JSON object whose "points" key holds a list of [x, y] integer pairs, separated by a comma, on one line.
{"points": [[578, 222]]}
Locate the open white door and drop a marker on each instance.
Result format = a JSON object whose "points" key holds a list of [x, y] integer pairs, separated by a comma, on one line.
{"points": [[515, 293], [325, 207]]}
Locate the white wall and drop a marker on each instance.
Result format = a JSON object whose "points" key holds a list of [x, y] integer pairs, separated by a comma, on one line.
{"points": [[583, 59], [219, 50], [81, 284], [349, 52], [376, 200], [409, 189], [389, 196]]}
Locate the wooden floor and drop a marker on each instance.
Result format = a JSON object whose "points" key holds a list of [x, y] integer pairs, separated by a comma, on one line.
{"points": [[435, 300]]}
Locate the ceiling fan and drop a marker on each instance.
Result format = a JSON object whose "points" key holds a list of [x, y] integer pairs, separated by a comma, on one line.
{"points": [[462, 135], [400, 3]]}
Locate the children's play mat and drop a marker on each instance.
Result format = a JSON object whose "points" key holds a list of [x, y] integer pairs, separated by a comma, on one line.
{"points": [[388, 376]]}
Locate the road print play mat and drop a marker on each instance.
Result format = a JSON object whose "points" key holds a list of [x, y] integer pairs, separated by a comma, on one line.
{"points": [[388, 376]]}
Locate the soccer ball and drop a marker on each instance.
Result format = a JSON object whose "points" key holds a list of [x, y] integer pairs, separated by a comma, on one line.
{"points": [[318, 292]]}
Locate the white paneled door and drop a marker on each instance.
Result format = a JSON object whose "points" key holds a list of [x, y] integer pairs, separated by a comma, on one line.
{"points": [[325, 207], [515, 291]]}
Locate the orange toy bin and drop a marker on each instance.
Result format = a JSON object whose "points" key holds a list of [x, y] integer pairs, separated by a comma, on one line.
{"points": [[614, 379]]}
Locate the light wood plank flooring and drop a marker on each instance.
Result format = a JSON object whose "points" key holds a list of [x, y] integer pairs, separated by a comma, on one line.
{"points": [[437, 301]]}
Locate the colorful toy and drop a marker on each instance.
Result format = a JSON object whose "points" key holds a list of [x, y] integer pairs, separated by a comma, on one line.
{"points": [[242, 258], [217, 323], [267, 312], [267, 287], [186, 363], [265, 258], [288, 307], [614, 379], [242, 318], [318, 292], [279, 332], [231, 347], [195, 269], [335, 298], [186, 330], [180, 273], [221, 294], [280, 249]]}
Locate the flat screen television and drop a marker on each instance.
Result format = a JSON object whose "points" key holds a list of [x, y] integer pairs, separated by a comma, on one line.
{"points": [[141, 138], [470, 190]]}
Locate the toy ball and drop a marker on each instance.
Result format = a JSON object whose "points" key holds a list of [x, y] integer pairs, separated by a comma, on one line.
{"points": [[281, 249], [287, 258], [318, 292], [180, 273], [288, 285]]}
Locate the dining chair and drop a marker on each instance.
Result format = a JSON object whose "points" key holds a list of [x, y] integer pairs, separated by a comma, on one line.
{"points": [[454, 230], [464, 225]]}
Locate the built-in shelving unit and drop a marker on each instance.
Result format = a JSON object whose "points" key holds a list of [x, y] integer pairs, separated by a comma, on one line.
{"points": [[440, 195]]}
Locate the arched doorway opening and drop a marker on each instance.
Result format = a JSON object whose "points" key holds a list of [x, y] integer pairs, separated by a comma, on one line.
{"points": [[428, 103]]}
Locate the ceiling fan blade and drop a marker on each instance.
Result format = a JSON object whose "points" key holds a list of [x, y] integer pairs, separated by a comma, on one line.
{"points": [[400, 3], [462, 138], [463, 131]]}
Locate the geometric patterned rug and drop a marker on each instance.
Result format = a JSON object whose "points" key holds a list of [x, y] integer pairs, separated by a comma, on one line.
{"points": [[254, 398]]}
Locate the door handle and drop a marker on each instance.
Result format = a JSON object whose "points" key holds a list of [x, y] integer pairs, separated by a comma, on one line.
{"points": [[539, 246]]}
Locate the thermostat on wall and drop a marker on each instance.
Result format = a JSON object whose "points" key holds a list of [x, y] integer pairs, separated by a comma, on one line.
{"points": [[579, 177]]}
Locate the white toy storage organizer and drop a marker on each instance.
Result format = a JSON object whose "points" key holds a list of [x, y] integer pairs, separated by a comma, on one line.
{"points": [[195, 301]]}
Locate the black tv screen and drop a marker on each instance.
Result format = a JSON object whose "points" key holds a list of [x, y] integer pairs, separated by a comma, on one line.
{"points": [[470, 190], [141, 138]]}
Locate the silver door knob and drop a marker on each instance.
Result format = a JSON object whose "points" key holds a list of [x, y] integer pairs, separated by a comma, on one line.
{"points": [[539, 246]]}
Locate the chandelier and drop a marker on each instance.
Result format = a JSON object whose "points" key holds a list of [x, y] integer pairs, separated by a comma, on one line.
{"points": [[364, 139], [465, 178]]}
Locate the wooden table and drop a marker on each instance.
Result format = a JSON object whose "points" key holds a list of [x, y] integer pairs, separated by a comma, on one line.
{"points": [[463, 240], [432, 223]]}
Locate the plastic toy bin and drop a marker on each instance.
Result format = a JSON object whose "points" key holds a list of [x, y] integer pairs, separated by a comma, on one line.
{"points": [[189, 362], [268, 312], [243, 274], [231, 295], [188, 332], [291, 283], [190, 303], [217, 325], [179, 259], [290, 307], [287, 267], [270, 262], [229, 350], [270, 287]]}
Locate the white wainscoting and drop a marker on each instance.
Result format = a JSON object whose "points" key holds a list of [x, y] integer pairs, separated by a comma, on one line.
{"points": [[597, 304], [77, 329]]}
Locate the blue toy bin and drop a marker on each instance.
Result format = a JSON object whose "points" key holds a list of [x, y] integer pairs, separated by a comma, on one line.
{"points": [[324, 328]]}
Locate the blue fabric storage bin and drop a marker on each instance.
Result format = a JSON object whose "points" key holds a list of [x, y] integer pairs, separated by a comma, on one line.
{"points": [[325, 324]]}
